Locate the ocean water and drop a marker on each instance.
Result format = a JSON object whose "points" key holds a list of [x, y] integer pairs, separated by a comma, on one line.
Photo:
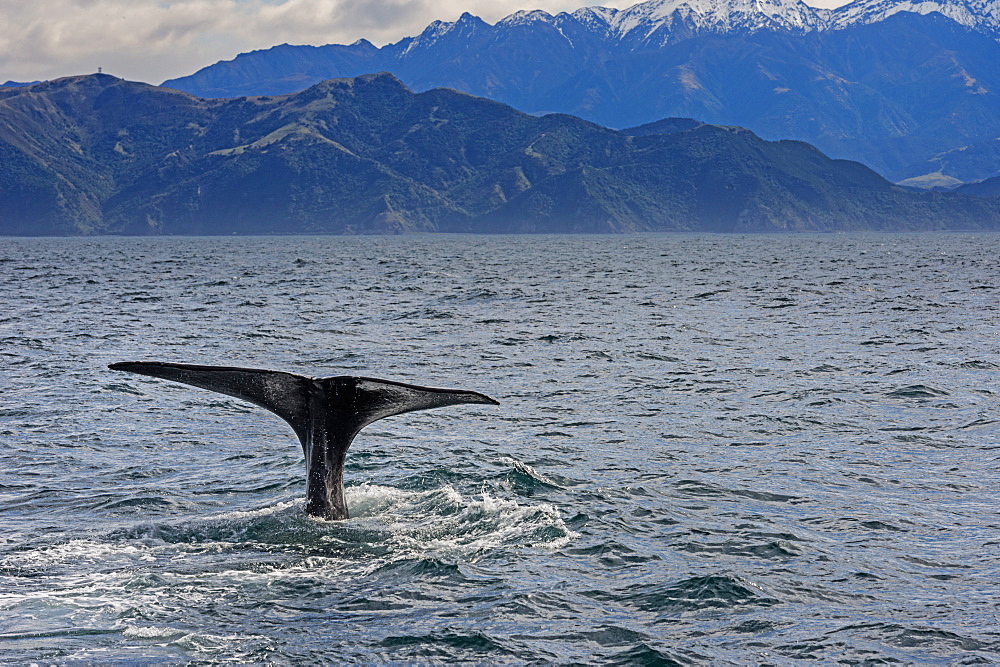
{"points": [[709, 449]]}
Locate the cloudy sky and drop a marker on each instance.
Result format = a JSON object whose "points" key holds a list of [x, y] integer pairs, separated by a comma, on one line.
{"points": [[153, 40]]}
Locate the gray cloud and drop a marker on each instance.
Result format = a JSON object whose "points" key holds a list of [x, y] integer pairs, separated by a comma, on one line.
{"points": [[153, 40]]}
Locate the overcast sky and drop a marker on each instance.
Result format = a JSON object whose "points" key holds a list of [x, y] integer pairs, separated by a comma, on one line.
{"points": [[154, 40]]}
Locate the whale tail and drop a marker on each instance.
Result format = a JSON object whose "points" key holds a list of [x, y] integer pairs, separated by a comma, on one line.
{"points": [[325, 412], [284, 394], [358, 400]]}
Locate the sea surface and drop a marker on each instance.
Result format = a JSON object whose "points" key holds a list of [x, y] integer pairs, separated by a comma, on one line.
{"points": [[709, 449]]}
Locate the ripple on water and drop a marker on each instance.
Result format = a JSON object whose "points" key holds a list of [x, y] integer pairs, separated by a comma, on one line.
{"points": [[709, 450]]}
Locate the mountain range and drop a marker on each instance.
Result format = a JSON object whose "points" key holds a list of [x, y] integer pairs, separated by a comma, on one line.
{"points": [[908, 88], [96, 154]]}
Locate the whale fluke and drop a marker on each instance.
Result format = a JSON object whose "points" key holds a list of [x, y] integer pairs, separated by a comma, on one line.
{"points": [[325, 412]]}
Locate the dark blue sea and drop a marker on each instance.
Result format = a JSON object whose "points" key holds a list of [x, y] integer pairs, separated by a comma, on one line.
{"points": [[709, 449]]}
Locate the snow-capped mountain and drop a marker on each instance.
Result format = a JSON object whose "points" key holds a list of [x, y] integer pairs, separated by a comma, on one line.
{"points": [[655, 22], [640, 21], [462, 31], [980, 15], [910, 88]]}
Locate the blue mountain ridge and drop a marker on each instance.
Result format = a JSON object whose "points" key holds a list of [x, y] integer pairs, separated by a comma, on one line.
{"points": [[914, 96]]}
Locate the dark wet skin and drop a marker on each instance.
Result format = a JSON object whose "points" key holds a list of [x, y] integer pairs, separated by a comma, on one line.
{"points": [[326, 413]]}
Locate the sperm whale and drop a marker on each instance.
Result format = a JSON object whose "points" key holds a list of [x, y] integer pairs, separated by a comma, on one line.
{"points": [[326, 413]]}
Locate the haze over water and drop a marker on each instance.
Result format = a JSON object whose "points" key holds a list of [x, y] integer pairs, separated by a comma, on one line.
{"points": [[708, 449]]}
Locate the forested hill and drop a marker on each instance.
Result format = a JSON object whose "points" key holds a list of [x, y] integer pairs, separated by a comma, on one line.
{"points": [[100, 155]]}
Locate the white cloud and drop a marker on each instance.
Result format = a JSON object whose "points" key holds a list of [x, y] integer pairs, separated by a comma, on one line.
{"points": [[153, 40]]}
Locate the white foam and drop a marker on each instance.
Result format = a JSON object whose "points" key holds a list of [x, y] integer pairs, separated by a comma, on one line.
{"points": [[374, 500], [73, 551], [442, 523], [523, 467], [150, 632], [241, 515]]}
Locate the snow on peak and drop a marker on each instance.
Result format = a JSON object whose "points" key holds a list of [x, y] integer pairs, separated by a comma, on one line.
{"points": [[523, 17], [976, 14], [655, 20], [721, 15], [432, 33], [438, 29], [595, 15], [435, 29]]}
